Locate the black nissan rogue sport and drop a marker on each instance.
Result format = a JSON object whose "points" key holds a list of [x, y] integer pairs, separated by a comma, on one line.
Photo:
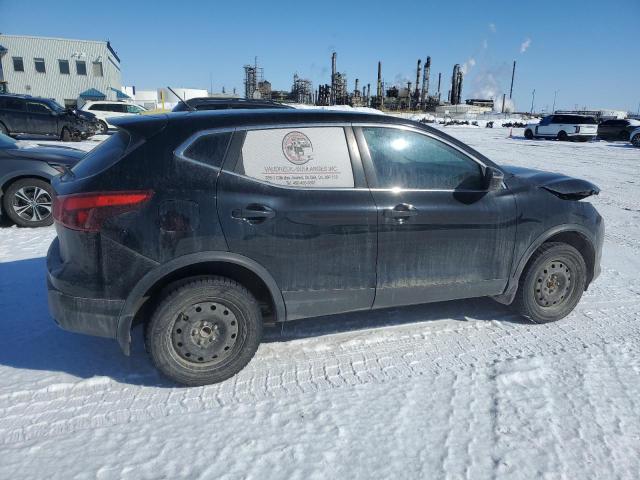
{"points": [[206, 225]]}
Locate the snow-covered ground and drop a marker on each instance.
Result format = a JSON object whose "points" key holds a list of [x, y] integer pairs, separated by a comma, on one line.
{"points": [[451, 390]]}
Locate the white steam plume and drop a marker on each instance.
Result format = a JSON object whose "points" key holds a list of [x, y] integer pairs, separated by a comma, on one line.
{"points": [[525, 45]]}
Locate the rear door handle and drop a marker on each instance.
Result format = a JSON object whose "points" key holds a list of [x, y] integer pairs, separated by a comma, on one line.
{"points": [[254, 213], [401, 211]]}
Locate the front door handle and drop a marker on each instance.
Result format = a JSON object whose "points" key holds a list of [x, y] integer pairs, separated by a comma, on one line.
{"points": [[254, 213], [401, 211]]}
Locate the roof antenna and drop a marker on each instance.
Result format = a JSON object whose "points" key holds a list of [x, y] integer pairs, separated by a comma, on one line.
{"points": [[189, 107]]}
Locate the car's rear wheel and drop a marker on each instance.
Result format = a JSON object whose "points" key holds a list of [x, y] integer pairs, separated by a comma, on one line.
{"points": [[562, 136], [552, 284], [528, 134], [204, 331], [635, 141], [28, 202], [65, 136]]}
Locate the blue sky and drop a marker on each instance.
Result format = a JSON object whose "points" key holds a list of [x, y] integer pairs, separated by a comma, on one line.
{"points": [[586, 50]]}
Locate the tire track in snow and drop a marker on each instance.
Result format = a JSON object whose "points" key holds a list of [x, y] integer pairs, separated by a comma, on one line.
{"points": [[31, 415]]}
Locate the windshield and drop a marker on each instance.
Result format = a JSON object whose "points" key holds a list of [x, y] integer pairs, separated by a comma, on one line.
{"points": [[7, 142]]}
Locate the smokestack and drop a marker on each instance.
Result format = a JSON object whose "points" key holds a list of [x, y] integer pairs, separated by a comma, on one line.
{"points": [[425, 81], [333, 79], [454, 85], [459, 88], [417, 92], [439, 79], [379, 93], [503, 98], [513, 74], [357, 84], [333, 64]]}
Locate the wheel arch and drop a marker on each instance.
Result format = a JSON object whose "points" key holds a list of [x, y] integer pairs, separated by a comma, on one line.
{"points": [[575, 235], [244, 270]]}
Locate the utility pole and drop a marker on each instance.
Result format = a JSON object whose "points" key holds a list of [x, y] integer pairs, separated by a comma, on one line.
{"points": [[555, 94], [533, 99]]}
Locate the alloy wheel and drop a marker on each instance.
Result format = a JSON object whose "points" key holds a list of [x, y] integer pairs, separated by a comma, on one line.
{"points": [[32, 203]]}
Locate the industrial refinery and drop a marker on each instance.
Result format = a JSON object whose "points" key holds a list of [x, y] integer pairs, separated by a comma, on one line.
{"points": [[418, 96]]}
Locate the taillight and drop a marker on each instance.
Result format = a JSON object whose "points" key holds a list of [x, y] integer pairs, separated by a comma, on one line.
{"points": [[577, 129], [88, 211]]}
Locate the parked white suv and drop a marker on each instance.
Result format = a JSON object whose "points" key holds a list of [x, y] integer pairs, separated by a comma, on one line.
{"points": [[634, 137], [104, 110], [563, 127]]}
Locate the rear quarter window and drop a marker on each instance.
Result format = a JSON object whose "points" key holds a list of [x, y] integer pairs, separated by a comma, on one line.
{"points": [[103, 156], [208, 148]]}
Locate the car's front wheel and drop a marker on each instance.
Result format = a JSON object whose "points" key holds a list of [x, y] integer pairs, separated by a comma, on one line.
{"points": [[528, 134], [204, 331], [635, 141], [552, 284], [28, 202]]}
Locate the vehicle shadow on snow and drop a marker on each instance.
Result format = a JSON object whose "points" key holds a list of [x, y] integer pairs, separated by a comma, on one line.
{"points": [[31, 340]]}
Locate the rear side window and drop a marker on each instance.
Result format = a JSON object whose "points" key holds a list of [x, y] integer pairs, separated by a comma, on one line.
{"points": [[13, 104], [103, 156], [209, 149], [314, 157]]}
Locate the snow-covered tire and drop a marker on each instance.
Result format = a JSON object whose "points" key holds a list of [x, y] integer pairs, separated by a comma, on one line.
{"points": [[204, 331], [552, 283], [528, 134]]}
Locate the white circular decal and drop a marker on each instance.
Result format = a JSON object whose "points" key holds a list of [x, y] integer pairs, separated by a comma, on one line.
{"points": [[297, 147]]}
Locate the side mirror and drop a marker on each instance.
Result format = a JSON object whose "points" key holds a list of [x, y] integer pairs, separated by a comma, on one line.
{"points": [[493, 179]]}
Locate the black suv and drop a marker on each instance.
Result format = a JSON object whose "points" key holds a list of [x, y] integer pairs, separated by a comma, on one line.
{"points": [[22, 114], [209, 103], [206, 225]]}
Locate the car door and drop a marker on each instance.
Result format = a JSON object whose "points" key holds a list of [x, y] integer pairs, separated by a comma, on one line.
{"points": [[606, 129], [441, 234], [545, 127], [42, 120], [15, 115], [295, 200]]}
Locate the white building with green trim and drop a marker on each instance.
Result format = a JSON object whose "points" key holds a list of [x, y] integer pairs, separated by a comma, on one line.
{"points": [[68, 71]]}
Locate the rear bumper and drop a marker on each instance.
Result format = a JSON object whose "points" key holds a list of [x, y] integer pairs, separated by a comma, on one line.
{"points": [[91, 316]]}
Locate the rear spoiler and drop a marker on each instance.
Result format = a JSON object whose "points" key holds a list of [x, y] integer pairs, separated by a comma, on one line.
{"points": [[141, 126]]}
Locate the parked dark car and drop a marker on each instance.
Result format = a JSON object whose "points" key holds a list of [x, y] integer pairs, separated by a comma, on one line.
{"points": [[91, 123], [25, 115], [617, 129], [25, 176], [208, 103], [206, 225]]}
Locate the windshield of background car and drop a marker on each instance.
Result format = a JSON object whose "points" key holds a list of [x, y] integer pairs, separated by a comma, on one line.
{"points": [[103, 156], [7, 142]]}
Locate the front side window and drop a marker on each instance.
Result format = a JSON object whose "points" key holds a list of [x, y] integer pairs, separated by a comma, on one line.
{"points": [[38, 108], [81, 67], [97, 69], [314, 157], [410, 160], [39, 64], [209, 149], [64, 67], [18, 64], [133, 109]]}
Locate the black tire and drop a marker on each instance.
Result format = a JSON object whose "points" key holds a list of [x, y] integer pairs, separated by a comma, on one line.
{"points": [[103, 128], [204, 330], [3, 129], [635, 141], [65, 135], [562, 136], [23, 193], [528, 134], [552, 283]]}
